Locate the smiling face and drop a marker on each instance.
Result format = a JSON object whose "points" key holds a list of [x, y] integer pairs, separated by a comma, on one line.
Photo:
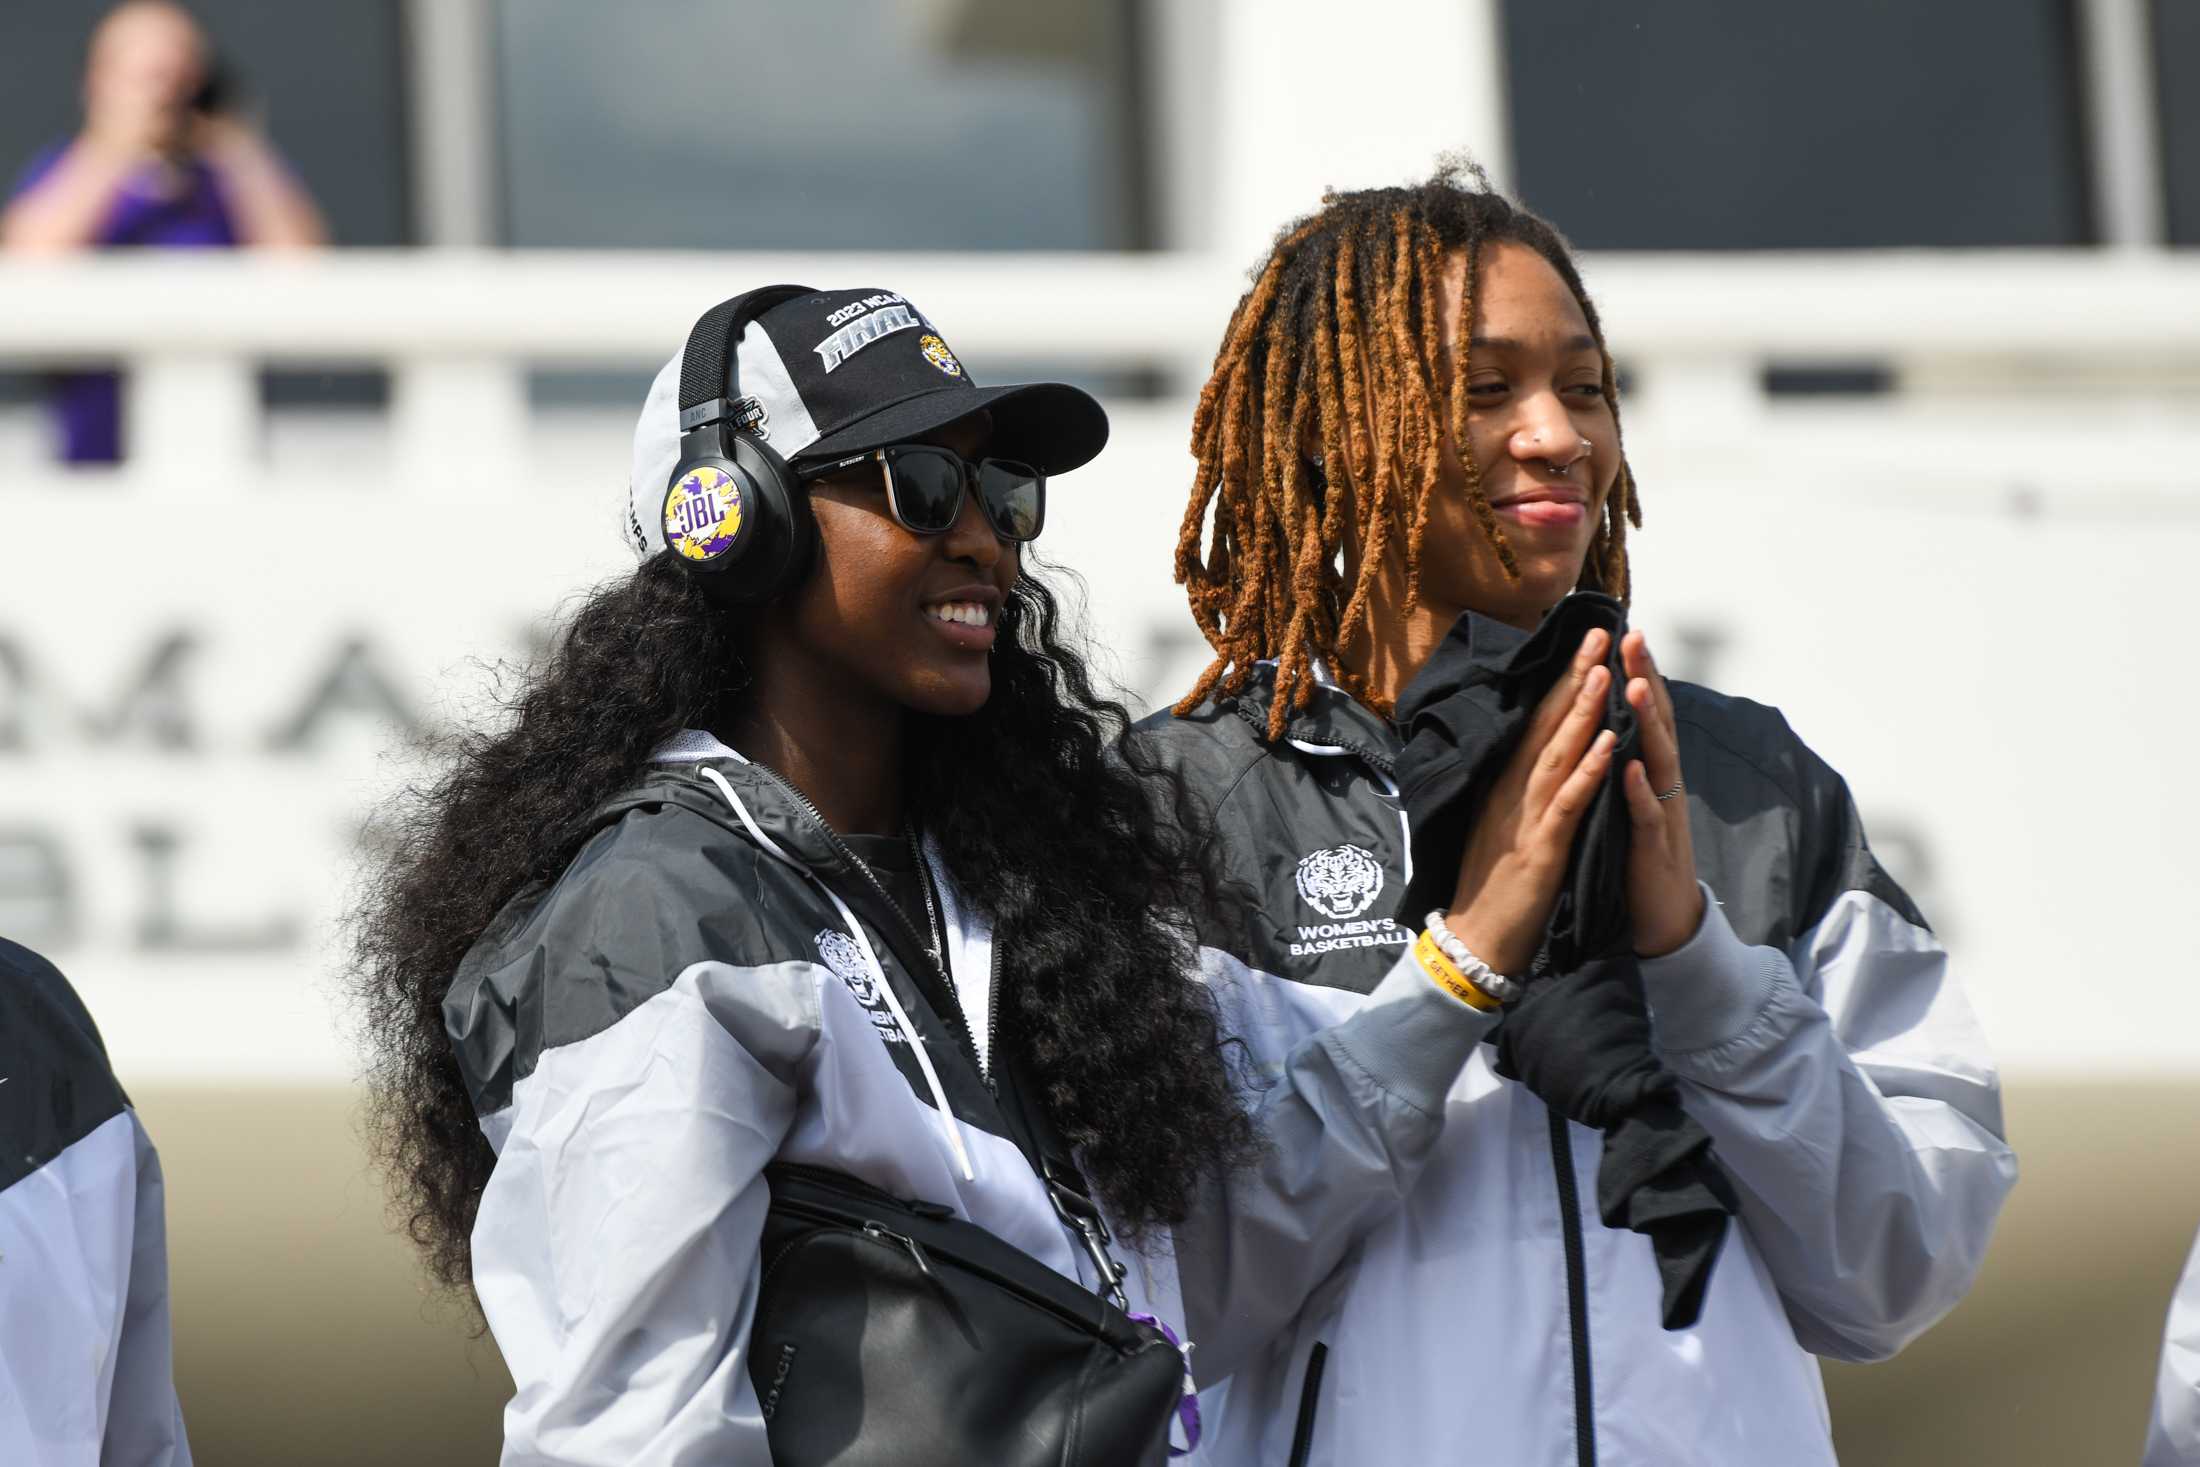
{"points": [[907, 619], [1543, 437]]}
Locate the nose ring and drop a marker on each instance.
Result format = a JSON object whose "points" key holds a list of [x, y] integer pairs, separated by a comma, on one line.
{"points": [[1585, 448]]}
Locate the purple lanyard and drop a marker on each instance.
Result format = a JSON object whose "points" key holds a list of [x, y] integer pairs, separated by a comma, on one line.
{"points": [[1074, 1206], [1187, 1403]]}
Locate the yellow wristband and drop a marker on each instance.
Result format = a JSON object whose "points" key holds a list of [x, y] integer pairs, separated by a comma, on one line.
{"points": [[1448, 977]]}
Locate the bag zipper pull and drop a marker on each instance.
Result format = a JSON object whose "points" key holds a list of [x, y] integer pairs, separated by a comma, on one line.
{"points": [[884, 1234]]}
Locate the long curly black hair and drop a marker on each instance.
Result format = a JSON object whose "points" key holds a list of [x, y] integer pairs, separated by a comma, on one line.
{"points": [[1088, 858]]}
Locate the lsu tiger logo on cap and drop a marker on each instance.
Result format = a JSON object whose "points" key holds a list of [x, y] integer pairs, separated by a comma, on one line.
{"points": [[936, 352], [702, 514]]}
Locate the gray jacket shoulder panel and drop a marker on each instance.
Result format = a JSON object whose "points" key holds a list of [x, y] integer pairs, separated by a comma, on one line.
{"points": [[649, 895], [62, 1088], [1211, 749], [1783, 840]]}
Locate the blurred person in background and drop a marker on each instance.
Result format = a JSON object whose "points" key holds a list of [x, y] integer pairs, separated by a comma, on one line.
{"points": [[807, 844], [2173, 1432], [86, 1375], [1409, 452], [162, 160]]}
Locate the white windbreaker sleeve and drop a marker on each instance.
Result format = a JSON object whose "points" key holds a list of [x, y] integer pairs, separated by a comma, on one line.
{"points": [[615, 1252], [86, 1359], [2173, 1431], [1850, 1096], [144, 1419], [85, 1373], [1349, 1119]]}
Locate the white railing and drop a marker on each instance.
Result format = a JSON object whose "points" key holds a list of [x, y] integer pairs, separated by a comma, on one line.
{"points": [[457, 330]]}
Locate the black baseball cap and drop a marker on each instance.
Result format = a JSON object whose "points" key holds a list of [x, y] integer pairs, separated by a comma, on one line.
{"points": [[830, 373]]}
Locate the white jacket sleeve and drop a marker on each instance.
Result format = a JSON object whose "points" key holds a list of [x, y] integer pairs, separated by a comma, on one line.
{"points": [[615, 1252], [2173, 1431], [1349, 1118], [85, 1370], [144, 1420], [1850, 1097]]}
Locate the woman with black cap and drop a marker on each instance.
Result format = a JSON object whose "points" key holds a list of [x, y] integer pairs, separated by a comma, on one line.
{"points": [[799, 956]]}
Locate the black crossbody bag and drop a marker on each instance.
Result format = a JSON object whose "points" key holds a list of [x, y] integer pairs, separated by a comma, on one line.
{"points": [[893, 1333]]}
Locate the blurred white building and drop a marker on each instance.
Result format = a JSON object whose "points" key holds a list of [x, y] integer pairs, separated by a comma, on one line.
{"points": [[1935, 504], [1910, 349]]}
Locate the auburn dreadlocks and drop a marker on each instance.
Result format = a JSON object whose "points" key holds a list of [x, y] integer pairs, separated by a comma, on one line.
{"points": [[1338, 344]]}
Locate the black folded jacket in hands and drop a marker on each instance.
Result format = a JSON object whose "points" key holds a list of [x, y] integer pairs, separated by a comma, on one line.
{"points": [[1463, 717], [1581, 1042], [1579, 1036]]}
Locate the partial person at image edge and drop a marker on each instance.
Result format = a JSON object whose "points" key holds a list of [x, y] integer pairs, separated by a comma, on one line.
{"points": [[1793, 990], [2173, 1430], [86, 1362]]}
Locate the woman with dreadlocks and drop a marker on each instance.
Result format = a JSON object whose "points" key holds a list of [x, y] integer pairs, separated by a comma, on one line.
{"points": [[1409, 454], [799, 957]]}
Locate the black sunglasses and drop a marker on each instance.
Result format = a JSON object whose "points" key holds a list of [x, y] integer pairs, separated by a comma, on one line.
{"points": [[925, 485]]}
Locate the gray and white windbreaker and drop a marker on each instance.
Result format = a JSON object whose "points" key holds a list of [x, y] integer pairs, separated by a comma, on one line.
{"points": [[2173, 1429], [85, 1355], [712, 984], [1817, 1036]]}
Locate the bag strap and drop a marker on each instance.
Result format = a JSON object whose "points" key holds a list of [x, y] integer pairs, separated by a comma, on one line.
{"points": [[1037, 1140], [1073, 1204], [1030, 1128], [1058, 1172]]}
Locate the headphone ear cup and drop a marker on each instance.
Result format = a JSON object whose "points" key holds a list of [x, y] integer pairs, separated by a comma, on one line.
{"points": [[786, 546], [738, 521]]}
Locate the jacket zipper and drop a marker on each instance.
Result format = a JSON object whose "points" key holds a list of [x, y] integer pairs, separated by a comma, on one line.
{"points": [[1577, 1292], [1302, 1435], [1569, 1207], [1375, 758], [992, 1013], [1372, 759], [959, 1025]]}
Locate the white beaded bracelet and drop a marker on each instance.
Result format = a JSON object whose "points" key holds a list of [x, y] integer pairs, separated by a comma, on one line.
{"points": [[1479, 973]]}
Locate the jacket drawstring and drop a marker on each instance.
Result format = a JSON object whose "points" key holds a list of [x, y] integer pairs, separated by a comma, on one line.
{"points": [[1390, 787], [870, 962]]}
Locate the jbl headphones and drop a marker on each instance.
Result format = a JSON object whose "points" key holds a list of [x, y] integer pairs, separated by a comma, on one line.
{"points": [[734, 514]]}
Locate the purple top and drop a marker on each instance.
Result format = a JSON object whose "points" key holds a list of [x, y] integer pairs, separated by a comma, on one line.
{"points": [[194, 215]]}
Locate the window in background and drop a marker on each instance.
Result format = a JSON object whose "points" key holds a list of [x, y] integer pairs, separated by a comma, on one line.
{"points": [[833, 124], [2177, 93], [1705, 125]]}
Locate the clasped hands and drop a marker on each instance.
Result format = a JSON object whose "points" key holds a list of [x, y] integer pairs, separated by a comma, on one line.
{"points": [[1515, 860]]}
